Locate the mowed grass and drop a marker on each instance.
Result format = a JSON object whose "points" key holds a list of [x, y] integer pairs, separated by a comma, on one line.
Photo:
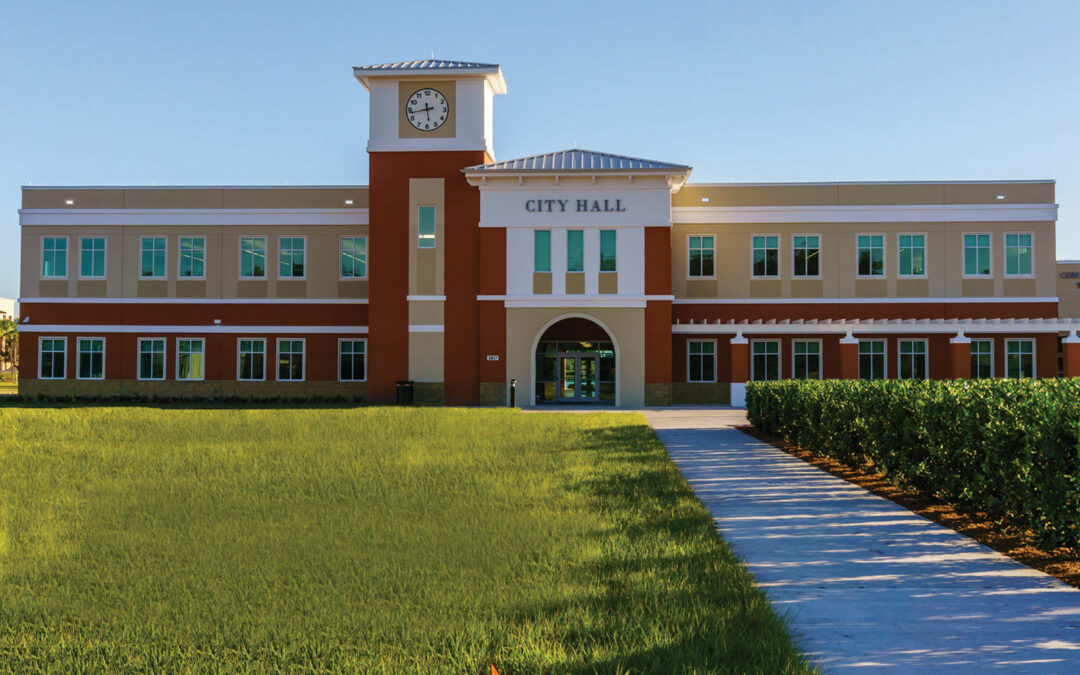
{"points": [[362, 539]]}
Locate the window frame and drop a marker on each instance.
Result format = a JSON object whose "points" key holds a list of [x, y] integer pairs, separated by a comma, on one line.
{"points": [[352, 339], [600, 252], [899, 270], [779, 357], [536, 231], [240, 257], [1005, 255], [795, 275], [693, 277], [989, 256], [884, 358], [280, 252], [165, 258], [303, 359], [820, 355], [1034, 358], [341, 253], [925, 354], [239, 353], [989, 341], [202, 376], [884, 256], [180, 257], [711, 341], [104, 256], [67, 256], [41, 353], [580, 231], [164, 359], [78, 357], [434, 227], [779, 273]]}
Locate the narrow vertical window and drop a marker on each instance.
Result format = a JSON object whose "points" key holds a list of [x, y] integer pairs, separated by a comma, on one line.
{"points": [[54, 257], [912, 255], [765, 361], [91, 359], [541, 250], [807, 360], [912, 364], [766, 256], [291, 256], [352, 360], [871, 255], [192, 258], [290, 360], [1018, 255], [575, 250], [425, 227], [189, 359], [151, 358], [252, 360], [1020, 358], [153, 251], [976, 255], [607, 250], [806, 251], [701, 361], [252, 257], [982, 359], [702, 253], [52, 357], [92, 257], [872, 359], [353, 257]]}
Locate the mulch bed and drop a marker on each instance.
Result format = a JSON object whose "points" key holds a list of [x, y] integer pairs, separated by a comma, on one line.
{"points": [[1004, 537]]}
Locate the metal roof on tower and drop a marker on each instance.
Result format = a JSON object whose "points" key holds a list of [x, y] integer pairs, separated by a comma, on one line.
{"points": [[428, 64], [436, 67], [578, 160]]}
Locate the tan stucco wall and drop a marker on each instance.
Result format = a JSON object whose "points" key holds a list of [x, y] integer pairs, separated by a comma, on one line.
{"points": [[1068, 289], [627, 326], [196, 198], [840, 194], [426, 265], [426, 357]]}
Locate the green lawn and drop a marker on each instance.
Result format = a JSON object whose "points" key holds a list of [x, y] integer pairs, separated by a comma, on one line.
{"points": [[8, 387], [366, 539]]}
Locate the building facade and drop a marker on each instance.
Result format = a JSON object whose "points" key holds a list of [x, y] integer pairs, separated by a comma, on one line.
{"points": [[584, 277]]}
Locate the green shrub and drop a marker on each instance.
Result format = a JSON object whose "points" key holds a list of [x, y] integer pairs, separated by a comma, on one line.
{"points": [[1008, 448]]}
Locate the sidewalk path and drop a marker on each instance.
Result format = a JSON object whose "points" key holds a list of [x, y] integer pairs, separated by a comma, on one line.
{"points": [[866, 584]]}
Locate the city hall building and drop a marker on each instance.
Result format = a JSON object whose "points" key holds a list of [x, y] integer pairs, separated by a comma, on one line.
{"points": [[586, 277]]}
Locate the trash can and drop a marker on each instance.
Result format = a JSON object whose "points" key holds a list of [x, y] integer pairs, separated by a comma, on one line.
{"points": [[405, 392]]}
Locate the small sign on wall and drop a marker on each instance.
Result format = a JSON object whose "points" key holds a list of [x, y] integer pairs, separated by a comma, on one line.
{"points": [[492, 357]]}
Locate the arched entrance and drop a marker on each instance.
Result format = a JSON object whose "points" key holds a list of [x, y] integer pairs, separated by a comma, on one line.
{"points": [[575, 363]]}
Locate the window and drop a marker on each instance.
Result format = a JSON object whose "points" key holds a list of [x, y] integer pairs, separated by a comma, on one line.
{"points": [[291, 256], [702, 253], [290, 360], [92, 257], [871, 255], [151, 358], [192, 258], [806, 360], [51, 356], [912, 360], [542, 250], [607, 250], [701, 361], [353, 257], [912, 255], [252, 257], [153, 258], [251, 359], [91, 359], [766, 256], [425, 227], [982, 359], [805, 250], [1020, 358], [352, 360], [765, 363], [976, 255], [54, 257], [1018, 255], [575, 251], [872, 359], [189, 359]]}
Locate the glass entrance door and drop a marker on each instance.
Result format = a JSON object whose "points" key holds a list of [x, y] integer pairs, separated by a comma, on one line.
{"points": [[577, 378]]}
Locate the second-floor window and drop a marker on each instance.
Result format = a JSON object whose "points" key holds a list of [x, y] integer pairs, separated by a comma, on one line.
{"points": [[54, 257], [353, 257], [92, 257], [912, 255], [291, 255], [805, 252], [153, 258], [252, 257], [702, 253], [1018, 254], [541, 250], [766, 256], [607, 250], [575, 250], [976, 255], [871, 255], [425, 227], [192, 258]]}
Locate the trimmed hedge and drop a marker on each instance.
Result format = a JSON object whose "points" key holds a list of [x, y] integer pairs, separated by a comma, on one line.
{"points": [[1008, 448]]}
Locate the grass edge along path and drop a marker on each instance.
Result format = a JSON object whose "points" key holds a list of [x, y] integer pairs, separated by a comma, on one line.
{"points": [[363, 539]]}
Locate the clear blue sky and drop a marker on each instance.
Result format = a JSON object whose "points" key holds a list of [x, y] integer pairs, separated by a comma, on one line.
{"points": [[224, 93]]}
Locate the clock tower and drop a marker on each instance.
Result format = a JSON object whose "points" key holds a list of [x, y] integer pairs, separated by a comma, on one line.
{"points": [[429, 259]]}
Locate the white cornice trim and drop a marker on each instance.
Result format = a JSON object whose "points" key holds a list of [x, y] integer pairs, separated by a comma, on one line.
{"points": [[850, 301], [150, 217], [889, 213], [191, 329], [577, 223], [575, 300], [425, 298], [201, 301], [426, 328], [882, 327]]}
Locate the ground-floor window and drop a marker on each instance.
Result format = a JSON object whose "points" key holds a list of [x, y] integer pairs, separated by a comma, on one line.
{"points": [[251, 359], [352, 360], [872, 359], [290, 360], [701, 361], [91, 359], [765, 364], [1020, 358], [982, 359], [51, 357], [806, 361], [912, 364], [189, 359], [151, 358]]}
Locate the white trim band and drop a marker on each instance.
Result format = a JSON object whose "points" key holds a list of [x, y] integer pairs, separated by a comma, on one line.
{"points": [[881, 327], [212, 217], [426, 328], [425, 298], [891, 213], [851, 301], [194, 329], [202, 301]]}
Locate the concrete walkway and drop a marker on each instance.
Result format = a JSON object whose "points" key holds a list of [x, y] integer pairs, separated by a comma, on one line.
{"points": [[866, 584]]}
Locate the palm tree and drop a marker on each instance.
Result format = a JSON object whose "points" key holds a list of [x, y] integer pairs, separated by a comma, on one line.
{"points": [[9, 344]]}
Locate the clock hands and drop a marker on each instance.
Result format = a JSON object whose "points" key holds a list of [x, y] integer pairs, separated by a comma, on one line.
{"points": [[426, 109]]}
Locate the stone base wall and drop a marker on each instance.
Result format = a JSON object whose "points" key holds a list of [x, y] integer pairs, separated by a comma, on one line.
{"points": [[428, 393], [496, 394], [179, 389], [711, 393], [658, 393]]}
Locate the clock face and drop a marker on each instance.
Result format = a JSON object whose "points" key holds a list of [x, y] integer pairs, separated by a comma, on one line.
{"points": [[427, 109]]}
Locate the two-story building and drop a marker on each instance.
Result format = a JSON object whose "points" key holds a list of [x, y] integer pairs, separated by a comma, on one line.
{"points": [[585, 277]]}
